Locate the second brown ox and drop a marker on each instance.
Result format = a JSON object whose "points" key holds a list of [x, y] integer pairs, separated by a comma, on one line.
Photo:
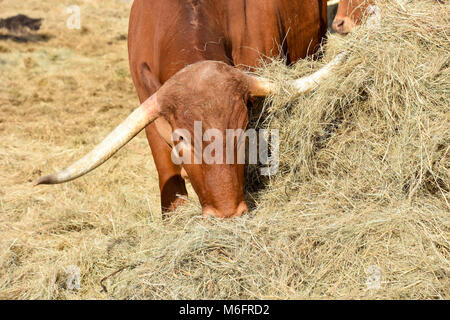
{"points": [[350, 14], [182, 54]]}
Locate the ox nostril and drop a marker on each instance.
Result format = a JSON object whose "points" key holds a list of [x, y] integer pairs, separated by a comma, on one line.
{"points": [[210, 212], [241, 209], [338, 25]]}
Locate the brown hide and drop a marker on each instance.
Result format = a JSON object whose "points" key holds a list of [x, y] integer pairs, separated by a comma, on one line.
{"points": [[349, 15], [167, 35]]}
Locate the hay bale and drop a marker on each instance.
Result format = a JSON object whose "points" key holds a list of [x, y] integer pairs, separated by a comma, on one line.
{"points": [[359, 206]]}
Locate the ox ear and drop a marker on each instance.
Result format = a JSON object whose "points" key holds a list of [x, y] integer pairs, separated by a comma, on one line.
{"points": [[261, 87], [146, 113]]}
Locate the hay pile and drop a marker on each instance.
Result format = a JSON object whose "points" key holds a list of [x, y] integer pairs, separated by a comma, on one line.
{"points": [[358, 209], [362, 187]]}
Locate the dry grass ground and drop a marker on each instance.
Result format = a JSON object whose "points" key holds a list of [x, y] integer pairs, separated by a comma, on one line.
{"points": [[361, 195]]}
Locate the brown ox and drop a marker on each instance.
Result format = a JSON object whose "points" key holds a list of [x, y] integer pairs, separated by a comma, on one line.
{"points": [[349, 15], [181, 56]]}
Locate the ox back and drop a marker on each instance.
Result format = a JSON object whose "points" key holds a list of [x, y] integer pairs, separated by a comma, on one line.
{"points": [[167, 35]]}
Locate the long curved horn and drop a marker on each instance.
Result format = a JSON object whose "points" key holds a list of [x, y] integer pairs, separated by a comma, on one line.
{"points": [[146, 113], [261, 87]]}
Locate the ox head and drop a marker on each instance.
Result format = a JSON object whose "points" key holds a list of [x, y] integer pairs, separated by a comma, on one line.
{"points": [[210, 93], [198, 105], [350, 14]]}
